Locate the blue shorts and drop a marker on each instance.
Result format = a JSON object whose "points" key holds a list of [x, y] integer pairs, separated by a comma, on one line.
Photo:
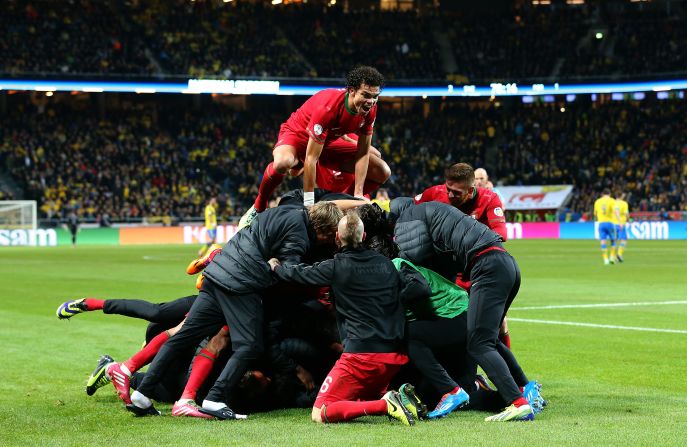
{"points": [[212, 234], [621, 234], [606, 231]]}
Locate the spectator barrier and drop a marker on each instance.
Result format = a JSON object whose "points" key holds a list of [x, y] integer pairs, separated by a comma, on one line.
{"points": [[195, 234]]}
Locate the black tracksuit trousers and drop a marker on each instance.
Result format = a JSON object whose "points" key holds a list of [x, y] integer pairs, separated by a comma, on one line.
{"points": [[162, 316], [215, 307], [495, 280], [442, 335]]}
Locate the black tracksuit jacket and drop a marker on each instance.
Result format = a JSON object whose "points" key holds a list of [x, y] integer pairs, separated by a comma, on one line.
{"points": [[367, 292], [284, 233], [439, 236]]}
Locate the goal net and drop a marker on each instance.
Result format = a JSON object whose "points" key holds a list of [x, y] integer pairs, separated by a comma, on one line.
{"points": [[18, 215]]}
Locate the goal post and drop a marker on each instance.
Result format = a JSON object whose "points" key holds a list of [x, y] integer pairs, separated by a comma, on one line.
{"points": [[18, 215]]}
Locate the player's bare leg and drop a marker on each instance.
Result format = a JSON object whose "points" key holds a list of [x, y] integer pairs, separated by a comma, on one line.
{"points": [[285, 158], [504, 335], [604, 252], [316, 415], [378, 172]]}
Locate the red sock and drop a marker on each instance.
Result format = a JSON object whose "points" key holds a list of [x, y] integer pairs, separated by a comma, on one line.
{"points": [[146, 355], [270, 181], [202, 365], [347, 410], [505, 339], [520, 401], [94, 304]]}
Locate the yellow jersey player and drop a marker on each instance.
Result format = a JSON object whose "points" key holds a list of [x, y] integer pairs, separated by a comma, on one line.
{"points": [[382, 199], [604, 209], [622, 217], [210, 224]]}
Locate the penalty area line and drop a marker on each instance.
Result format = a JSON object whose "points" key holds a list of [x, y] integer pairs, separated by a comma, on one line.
{"points": [[600, 326], [585, 306]]}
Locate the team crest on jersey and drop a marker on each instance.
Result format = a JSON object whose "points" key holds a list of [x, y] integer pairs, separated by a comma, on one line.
{"points": [[498, 212], [418, 197], [317, 129]]}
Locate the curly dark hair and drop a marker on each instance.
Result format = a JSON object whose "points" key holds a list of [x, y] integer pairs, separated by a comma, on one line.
{"points": [[382, 244], [364, 75], [374, 220]]}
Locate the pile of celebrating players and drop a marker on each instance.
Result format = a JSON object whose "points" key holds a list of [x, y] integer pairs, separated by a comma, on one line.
{"points": [[332, 301]]}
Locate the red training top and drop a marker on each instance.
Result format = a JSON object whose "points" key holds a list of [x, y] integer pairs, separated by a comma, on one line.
{"points": [[325, 116], [485, 206]]}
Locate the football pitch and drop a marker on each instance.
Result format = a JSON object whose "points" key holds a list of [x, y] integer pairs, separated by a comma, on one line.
{"points": [[608, 343]]}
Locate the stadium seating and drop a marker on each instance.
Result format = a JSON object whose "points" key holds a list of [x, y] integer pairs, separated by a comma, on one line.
{"points": [[182, 38], [63, 38], [142, 162], [399, 44]]}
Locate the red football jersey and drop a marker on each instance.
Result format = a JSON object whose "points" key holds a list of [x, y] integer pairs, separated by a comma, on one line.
{"points": [[325, 116], [485, 206]]}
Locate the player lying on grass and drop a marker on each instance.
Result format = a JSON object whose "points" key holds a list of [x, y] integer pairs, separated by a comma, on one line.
{"points": [[167, 314], [333, 129], [280, 382], [161, 317]]}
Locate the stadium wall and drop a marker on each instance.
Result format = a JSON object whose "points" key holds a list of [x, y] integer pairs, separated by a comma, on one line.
{"points": [[196, 234]]}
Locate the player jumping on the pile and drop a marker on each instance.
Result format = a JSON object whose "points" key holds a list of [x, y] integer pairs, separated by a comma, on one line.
{"points": [[334, 129]]}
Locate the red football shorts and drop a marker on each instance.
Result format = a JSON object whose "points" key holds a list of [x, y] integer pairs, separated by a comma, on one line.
{"points": [[332, 180], [363, 376], [334, 153]]}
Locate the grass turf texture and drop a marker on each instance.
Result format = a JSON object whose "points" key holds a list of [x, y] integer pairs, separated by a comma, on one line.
{"points": [[605, 386]]}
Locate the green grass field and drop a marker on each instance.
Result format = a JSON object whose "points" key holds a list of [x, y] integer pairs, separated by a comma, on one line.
{"points": [[606, 385]]}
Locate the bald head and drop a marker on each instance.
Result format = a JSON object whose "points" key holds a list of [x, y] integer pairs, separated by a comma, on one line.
{"points": [[481, 178], [351, 231]]}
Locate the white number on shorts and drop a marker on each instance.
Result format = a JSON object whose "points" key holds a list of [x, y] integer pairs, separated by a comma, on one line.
{"points": [[325, 384]]}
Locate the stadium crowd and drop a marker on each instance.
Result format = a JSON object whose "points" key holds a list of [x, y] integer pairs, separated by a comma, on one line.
{"points": [[70, 37], [524, 44], [144, 163], [401, 45], [210, 38]]}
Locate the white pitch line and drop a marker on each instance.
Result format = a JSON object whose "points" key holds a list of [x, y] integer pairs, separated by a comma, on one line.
{"points": [[583, 306], [602, 326], [156, 258]]}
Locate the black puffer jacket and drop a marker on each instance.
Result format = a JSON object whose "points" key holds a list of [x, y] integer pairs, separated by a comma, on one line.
{"points": [[439, 236], [284, 233]]}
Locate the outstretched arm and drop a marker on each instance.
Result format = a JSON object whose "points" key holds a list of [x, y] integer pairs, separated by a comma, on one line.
{"points": [[414, 287], [312, 155], [362, 161], [318, 274]]}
